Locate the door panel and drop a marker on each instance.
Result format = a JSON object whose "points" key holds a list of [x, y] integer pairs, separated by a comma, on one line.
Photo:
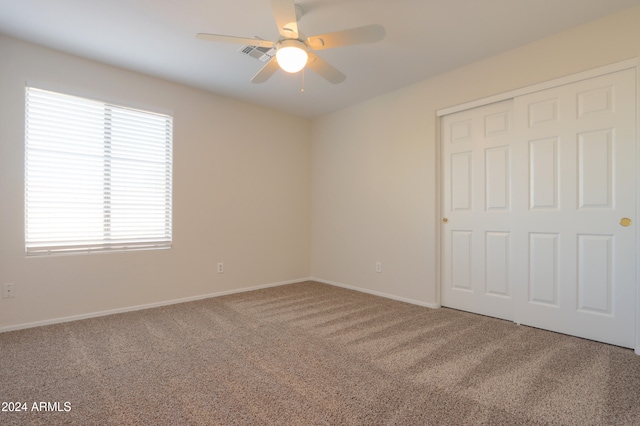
{"points": [[477, 182], [497, 263], [497, 171], [461, 175], [543, 268], [461, 267], [595, 273], [580, 267], [595, 169], [543, 174]]}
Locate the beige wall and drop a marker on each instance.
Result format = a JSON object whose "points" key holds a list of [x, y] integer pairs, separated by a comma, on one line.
{"points": [[328, 198], [374, 177], [241, 195]]}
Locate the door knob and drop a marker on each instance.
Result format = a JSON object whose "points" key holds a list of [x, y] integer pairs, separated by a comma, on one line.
{"points": [[445, 220], [625, 221]]}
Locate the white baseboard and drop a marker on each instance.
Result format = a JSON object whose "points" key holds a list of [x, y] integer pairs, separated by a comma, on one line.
{"points": [[206, 296], [378, 293], [140, 307]]}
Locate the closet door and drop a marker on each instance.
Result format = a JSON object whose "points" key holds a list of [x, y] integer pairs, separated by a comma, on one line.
{"points": [[539, 209], [574, 209], [477, 202]]}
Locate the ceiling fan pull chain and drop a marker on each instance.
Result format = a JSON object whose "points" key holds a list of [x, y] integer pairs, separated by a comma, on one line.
{"points": [[302, 90]]}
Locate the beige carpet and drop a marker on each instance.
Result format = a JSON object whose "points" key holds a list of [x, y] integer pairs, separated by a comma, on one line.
{"points": [[310, 353]]}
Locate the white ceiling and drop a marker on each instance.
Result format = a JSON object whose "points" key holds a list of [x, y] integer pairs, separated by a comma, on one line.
{"points": [[424, 38]]}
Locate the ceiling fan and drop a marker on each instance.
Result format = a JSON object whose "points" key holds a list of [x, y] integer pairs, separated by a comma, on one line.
{"points": [[294, 51]]}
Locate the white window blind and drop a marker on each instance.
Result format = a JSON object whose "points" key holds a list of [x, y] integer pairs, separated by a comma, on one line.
{"points": [[98, 177]]}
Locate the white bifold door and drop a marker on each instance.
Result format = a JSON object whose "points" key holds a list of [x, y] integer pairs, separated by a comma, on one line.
{"points": [[539, 209]]}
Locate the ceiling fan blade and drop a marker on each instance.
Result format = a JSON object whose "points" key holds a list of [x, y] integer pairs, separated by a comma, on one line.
{"points": [[359, 35], [236, 40], [285, 13], [326, 70], [266, 71]]}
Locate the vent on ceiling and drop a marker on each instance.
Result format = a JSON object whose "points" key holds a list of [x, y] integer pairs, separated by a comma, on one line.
{"points": [[262, 53]]}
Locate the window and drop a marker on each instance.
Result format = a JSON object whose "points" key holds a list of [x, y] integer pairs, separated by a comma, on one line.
{"points": [[98, 176]]}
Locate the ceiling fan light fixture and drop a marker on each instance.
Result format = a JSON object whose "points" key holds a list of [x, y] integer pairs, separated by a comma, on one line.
{"points": [[292, 55]]}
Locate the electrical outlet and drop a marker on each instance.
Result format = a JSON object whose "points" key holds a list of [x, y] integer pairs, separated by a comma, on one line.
{"points": [[220, 267], [8, 291], [378, 267]]}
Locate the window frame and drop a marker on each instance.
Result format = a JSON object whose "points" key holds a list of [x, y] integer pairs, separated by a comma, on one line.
{"points": [[150, 230]]}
